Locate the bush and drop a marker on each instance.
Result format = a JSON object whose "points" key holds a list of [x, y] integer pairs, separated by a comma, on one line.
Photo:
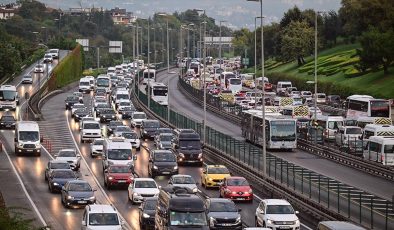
{"points": [[68, 70]]}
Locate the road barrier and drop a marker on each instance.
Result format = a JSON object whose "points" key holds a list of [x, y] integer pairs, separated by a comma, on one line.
{"points": [[320, 196]]}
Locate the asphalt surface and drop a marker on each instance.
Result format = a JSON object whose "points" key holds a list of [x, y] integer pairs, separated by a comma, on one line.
{"points": [[374, 185], [16, 188]]}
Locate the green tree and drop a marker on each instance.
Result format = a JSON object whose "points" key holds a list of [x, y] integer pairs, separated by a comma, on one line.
{"points": [[377, 49], [297, 41]]}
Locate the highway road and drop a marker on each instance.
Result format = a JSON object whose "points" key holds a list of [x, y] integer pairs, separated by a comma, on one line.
{"points": [[374, 185]]}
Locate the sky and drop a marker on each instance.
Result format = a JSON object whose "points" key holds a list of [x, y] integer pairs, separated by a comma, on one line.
{"points": [[237, 13]]}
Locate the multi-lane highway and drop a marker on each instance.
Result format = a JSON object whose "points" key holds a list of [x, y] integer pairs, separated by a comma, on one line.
{"points": [[344, 174]]}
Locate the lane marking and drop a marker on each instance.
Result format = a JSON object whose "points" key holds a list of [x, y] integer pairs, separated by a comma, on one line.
{"points": [[24, 189], [91, 172]]}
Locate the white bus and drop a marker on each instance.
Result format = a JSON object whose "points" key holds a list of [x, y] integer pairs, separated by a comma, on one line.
{"points": [[8, 97], [330, 124], [281, 132], [159, 93], [367, 106], [235, 85], [103, 81], [380, 149], [148, 74]]}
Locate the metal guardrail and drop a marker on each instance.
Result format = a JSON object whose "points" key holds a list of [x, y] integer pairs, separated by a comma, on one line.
{"points": [[322, 197]]}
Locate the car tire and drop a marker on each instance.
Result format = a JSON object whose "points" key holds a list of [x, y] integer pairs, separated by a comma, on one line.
{"points": [[264, 225], [220, 194], [50, 188]]}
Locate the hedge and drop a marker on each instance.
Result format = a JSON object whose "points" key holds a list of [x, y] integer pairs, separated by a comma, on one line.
{"points": [[68, 70]]}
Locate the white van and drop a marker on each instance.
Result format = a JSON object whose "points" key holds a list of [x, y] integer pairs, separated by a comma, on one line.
{"points": [[111, 70], [377, 130], [380, 149], [117, 151], [84, 85], [282, 86], [27, 138], [330, 124], [321, 98], [121, 95], [92, 81]]}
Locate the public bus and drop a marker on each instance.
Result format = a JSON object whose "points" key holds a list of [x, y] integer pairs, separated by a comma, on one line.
{"points": [[148, 74], [104, 81], [367, 106], [224, 76], [159, 93], [235, 85], [8, 97], [281, 132]]}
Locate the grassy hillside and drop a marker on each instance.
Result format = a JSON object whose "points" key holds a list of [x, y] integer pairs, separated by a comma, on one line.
{"points": [[336, 68]]}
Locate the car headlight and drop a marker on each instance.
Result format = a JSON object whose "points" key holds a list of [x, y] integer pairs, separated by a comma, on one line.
{"points": [[195, 190], [212, 221], [110, 178], [20, 144], [145, 132], [176, 167], [210, 179], [297, 222], [155, 167], [182, 155], [55, 184], [70, 197], [38, 145], [136, 194], [238, 220], [200, 155], [92, 198], [269, 221], [145, 215]]}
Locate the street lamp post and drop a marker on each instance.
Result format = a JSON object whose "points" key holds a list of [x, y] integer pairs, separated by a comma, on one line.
{"points": [[148, 93], [255, 61], [220, 44], [168, 43], [264, 144]]}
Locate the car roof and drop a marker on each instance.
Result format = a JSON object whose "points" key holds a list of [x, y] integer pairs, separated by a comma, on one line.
{"points": [[222, 200], [216, 166], [235, 177], [144, 179], [276, 202], [79, 181], [101, 208], [181, 175]]}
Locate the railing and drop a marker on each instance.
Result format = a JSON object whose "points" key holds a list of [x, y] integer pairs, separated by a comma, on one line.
{"points": [[317, 194]]}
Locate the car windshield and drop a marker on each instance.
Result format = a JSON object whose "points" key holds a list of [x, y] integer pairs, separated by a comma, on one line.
{"points": [[103, 82], [122, 128], [78, 106], [119, 154], [130, 135], [139, 116], [122, 96], [79, 187], [59, 165], [166, 138], [119, 169], [105, 219], [72, 98], [192, 144], [150, 204], [164, 130], [63, 174], [91, 126], [222, 207], [218, 171], [84, 83], [183, 180], [28, 135], [7, 95], [283, 130], [388, 149], [334, 124], [124, 103], [280, 209], [188, 219], [152, 124], [7, 118], [237, 182], [103, 105], [353, 131], [27, 77], [145, 184], [98, 142], [115, 123], [164, 157], [39, 66], [67, 154], [108, 111]]}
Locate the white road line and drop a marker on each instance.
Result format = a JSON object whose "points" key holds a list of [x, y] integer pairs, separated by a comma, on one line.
{"points": [[24, 189], [91, 172]]}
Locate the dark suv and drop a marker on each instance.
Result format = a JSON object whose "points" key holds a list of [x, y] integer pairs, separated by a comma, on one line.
{"points": [[70, 101], [162, 162]]}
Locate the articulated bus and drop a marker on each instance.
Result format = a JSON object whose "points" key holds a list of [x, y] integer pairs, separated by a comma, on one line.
{"points": [[159, 93], [8, 97], [281, 132], [367, 106]]}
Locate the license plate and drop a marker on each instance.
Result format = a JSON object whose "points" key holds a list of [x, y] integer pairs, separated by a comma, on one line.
{"points": [[226, 224], [8, 126], [284, 227], [82, 202], [240, 198], [166, 172], [29, 150], [121, 181]]}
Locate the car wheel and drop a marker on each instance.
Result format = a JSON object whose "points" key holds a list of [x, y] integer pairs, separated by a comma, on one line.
{"points": [[264, 225], [50, 188], [220, 194]]}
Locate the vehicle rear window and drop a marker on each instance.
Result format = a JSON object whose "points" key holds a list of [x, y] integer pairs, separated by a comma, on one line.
{"points": [[103, 219], [353, 131]]}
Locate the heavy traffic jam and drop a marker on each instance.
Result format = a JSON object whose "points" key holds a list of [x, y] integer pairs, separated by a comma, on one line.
{"points": [[359, 125], [116, 131]]}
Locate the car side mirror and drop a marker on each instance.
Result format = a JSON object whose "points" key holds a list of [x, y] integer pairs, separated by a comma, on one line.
{"points": [[83, 223], [150, 160], [105, 170], [16, 139], [159, 186], [176, 146], [239, 209], [261, 212]]}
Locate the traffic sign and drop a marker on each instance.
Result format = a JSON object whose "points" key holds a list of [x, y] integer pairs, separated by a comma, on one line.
{"points": [[245, 61]]}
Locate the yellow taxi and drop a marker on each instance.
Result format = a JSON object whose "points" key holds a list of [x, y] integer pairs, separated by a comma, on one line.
{"points": [[213, 175]]}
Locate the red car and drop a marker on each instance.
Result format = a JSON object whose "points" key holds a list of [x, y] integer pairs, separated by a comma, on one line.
{"points": [[236, 188], [118, 175]]}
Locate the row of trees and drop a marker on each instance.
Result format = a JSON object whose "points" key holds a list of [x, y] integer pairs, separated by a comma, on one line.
{"points": [[369, 22]]}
